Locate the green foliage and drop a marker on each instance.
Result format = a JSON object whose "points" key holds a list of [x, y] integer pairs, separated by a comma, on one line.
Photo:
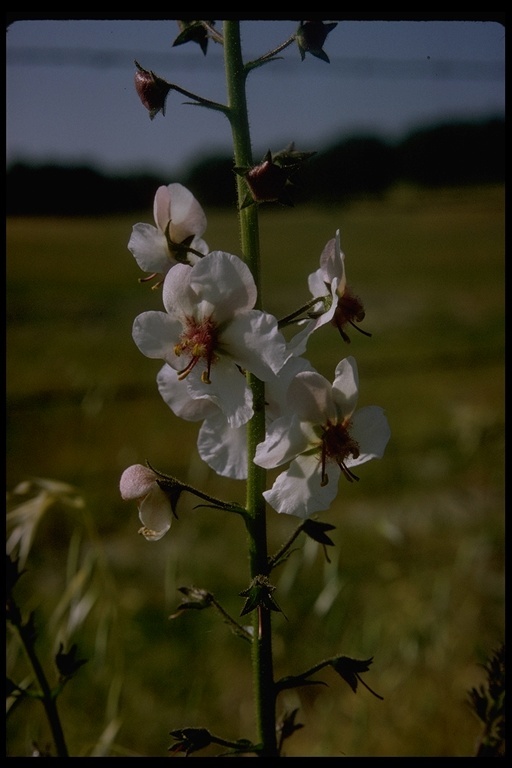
{"points": [[414, 578]]}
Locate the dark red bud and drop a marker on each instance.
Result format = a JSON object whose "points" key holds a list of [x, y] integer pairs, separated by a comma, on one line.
{"points": [[152, 90], [266, 182]]}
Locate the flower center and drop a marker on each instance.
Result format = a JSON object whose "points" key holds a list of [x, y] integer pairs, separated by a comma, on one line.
{"points": [[337, 446], [348, 309], [198, 340]]}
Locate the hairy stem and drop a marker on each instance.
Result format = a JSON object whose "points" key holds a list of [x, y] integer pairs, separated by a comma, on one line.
{"points": [[264, 689]]}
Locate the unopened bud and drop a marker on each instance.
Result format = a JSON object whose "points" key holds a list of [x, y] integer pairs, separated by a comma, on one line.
{"points": [[193, 31], [266, 181], [311, 36], [152, 90]]}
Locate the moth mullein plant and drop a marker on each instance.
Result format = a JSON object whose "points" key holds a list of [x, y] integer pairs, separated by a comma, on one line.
{"points": [[242, 375]]}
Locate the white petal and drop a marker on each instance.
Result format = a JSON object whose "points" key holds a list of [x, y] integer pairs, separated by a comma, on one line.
{"points": [[177, 396], [371, 430], [187, 216], [284, 440], [155, 333], [317, 284], [345, 389], [177, 296], [228, 390], [310, 395], [224, 281], [299, 492], [298, 343], [253, 340], [136, 481], [151, 535], [155, 513], [276, 387], [342, 282], [332, 262], [149, 248], [162, 208], [223, 448]]}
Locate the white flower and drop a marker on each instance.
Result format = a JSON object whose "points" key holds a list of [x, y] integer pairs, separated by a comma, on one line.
{"points": [[211, 334], [323, 438], [337, 304], [222, 447], [138, 483], [180, 224]]}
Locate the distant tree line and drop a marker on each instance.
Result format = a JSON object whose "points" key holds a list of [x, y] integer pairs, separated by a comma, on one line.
{"points": [[449, 154]]}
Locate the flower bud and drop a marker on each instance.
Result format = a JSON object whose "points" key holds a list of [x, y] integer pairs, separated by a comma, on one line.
{"points": [[156, 495], [311, 36], [193, 31], [259, 595], [266, 181], [152, 90]]}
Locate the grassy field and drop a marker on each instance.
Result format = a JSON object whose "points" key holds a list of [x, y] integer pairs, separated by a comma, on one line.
{"points": [[416, 577]]}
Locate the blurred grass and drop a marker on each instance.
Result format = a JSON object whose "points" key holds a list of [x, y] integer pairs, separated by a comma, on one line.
{"points": [[416, 577]]}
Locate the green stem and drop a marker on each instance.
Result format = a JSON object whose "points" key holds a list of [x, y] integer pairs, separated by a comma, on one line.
{"points": [[274, 560], [264, 689], [240, 631], [213, 33], [271, 55], [305, 308], [294, 681]]}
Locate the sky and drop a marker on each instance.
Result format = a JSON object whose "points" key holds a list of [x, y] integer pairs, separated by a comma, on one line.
{"points": [[70, 95]]}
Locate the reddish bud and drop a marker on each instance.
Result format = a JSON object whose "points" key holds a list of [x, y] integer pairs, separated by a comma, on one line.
{"points": [[152, 90], [266, 181]]}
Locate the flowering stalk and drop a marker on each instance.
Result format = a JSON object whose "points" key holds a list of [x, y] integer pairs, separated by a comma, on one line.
{"points": [[280, 410], [264, 689]]}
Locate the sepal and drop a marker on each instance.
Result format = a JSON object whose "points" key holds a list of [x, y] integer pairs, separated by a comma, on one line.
{"points": [[350, 669], [311, 36], [193, 31], [259, 595], [67, 663]]}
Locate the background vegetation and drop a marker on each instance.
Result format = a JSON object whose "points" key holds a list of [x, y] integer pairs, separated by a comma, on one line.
{"points": [[443, 154], [415, 579]]}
